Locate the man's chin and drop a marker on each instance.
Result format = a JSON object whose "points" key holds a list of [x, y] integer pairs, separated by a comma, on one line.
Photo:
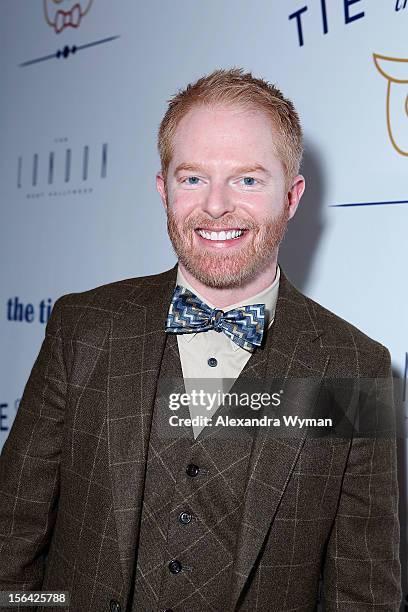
{"points": [[219, 274], [228, 268]]}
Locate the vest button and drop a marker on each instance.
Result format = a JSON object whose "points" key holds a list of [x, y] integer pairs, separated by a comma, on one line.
{"points": [[175, 566], [185, 518], [114, 606], [192, 470]]}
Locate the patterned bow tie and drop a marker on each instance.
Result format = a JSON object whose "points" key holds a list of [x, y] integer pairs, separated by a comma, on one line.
{"points": [[188, 314]]}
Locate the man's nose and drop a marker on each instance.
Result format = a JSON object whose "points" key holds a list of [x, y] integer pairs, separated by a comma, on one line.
{"points": [[217, 201]]}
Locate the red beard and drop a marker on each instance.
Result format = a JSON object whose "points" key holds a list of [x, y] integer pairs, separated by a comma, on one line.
{"points": [[229, 267]]}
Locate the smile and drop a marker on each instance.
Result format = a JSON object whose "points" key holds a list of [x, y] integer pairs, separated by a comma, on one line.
{"points": [[221, 235]]}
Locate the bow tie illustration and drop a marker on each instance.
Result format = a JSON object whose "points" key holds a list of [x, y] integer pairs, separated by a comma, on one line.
{"points": [[188, 314]]}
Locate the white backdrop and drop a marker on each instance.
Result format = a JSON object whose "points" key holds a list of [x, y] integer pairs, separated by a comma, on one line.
{"points": [[82, 95]]}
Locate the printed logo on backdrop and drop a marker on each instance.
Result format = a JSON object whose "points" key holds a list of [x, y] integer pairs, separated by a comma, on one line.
{"points": [[405, 401], [4, 416], [7, 414], [395, 71], [19, 311], [62, 15], [62, 169], [71, 17], [350, 11]]}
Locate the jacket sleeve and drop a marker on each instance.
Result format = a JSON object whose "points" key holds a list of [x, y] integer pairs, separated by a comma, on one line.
{"points": [[362, 568], [29, 467]]}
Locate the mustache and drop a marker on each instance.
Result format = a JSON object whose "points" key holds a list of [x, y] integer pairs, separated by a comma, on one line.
{"points": [[219, 224]]}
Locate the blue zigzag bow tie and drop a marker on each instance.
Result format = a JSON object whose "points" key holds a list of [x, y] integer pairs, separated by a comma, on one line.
{"points": [[188, 314]]}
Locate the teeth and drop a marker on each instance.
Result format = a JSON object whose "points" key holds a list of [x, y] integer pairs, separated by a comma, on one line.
{"points": [[221, 235]]}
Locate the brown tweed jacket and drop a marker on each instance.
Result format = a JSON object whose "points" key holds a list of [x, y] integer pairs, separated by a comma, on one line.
{"points": [[73, 466]]}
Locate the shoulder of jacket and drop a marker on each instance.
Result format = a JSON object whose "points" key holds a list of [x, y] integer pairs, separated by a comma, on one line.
{"points": [[335, 333], [338, 332], [96, 306], [110, 295]]}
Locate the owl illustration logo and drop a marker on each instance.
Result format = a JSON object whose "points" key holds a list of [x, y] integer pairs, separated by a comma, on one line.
{"points": [[61, 14], [395, 70]]}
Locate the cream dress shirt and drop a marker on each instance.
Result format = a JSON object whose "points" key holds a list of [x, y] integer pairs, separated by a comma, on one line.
{"points": [[197, 349]]}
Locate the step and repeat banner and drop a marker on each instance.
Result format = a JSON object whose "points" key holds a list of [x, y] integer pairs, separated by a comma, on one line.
{"points": [[84, 85]]}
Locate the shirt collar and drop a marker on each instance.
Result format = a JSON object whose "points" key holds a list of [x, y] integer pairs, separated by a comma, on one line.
{"points": [[268, 296]]}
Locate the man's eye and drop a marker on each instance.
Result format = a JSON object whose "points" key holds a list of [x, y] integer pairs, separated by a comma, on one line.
{"points": [[191, 180], [249, 181]]}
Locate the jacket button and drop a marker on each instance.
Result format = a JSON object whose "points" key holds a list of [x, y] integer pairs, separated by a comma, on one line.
{"points": [[114, 606], [192, 470], [175, 566], [184, 518], [168, 610]]}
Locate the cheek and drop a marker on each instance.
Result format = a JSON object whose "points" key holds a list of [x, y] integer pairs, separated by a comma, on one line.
{"points": [[184, 202], [259, 205]]}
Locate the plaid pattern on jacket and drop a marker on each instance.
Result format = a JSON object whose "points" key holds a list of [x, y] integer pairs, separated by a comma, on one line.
{"points": [[73, 467]]}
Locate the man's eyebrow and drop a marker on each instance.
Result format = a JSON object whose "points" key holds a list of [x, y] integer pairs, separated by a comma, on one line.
{"points": [[191, 167]]}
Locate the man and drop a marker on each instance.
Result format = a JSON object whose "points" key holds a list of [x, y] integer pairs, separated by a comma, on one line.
{"points": [[104, 498]]}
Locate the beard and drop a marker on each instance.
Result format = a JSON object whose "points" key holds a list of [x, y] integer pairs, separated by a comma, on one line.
{"points": [[230, 267]]}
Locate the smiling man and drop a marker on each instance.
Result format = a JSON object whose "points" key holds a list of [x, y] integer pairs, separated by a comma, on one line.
{"points": [[103, 497], [228, 199]]}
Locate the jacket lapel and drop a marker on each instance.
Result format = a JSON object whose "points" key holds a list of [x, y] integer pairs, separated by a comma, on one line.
{"points": [[296, 363], [292, 351], [136, 346]]}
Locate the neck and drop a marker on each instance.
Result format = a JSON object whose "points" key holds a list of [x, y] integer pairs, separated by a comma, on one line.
{"points": [[224, 297]]}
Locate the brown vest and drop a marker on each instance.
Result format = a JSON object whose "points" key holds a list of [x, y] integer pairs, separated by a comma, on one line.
{"points": [[192, 505]]}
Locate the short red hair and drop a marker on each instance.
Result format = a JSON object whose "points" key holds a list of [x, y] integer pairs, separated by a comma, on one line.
{"points": [[234, 87]]}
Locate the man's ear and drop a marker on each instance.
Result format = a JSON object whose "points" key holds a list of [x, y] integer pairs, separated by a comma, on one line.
{"points": [[295, 193], [161, 188]]}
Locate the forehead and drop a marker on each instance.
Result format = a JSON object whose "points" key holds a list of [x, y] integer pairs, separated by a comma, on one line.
{"points": [[225, 130]]}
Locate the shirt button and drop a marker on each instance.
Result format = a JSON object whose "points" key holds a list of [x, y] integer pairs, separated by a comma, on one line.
{"points": [[185, 518], [212, 362], [175, 566], [192, 470]]}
